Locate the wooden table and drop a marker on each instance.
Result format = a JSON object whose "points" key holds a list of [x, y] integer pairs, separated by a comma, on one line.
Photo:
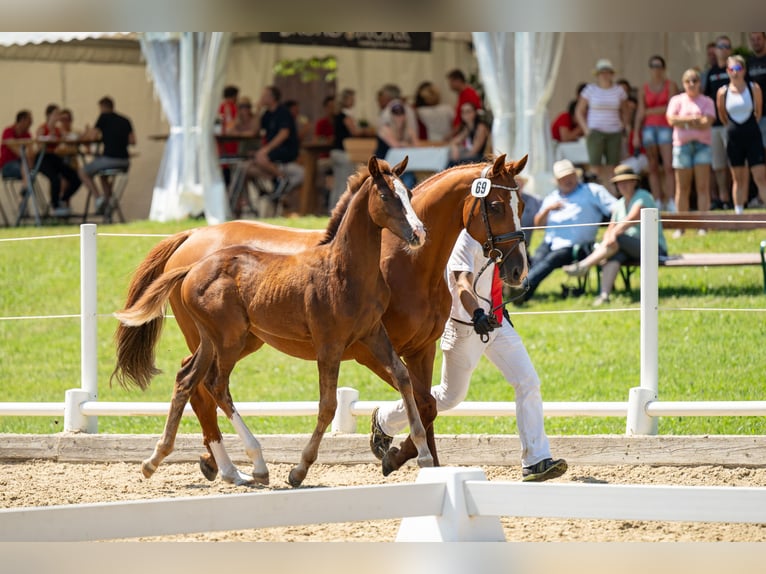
{"points": [[308, 198]]}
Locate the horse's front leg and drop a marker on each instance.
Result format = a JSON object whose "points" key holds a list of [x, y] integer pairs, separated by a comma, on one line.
{"points": [[381, 347], [328, 401], [186, 380]]}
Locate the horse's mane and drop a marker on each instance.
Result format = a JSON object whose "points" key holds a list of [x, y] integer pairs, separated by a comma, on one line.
{"points": [[354, 183]]}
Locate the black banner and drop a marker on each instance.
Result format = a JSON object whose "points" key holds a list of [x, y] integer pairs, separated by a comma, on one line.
{"points": [[413, 41]]}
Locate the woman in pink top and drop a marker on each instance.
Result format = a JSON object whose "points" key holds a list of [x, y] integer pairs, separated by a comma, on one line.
{"points": [[691, 114], [652, 129]]}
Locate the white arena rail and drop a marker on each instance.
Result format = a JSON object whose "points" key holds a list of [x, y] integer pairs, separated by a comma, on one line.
{"points": [[444, 504], [80, 408]]}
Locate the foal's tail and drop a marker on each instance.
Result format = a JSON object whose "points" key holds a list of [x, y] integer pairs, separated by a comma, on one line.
{"points": [[136, 341]]}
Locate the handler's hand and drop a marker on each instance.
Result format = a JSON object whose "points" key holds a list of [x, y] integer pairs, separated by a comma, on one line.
{"points": [[481, 324]]}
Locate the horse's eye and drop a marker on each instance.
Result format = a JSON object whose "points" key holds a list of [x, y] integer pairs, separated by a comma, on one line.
{"points": [[383, 197], [496, 206]]}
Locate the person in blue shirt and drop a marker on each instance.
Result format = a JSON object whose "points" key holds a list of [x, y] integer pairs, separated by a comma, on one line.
{"points": [[570, 204], [622, 239]]}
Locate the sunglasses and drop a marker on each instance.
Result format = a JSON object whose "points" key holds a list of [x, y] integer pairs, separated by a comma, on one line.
{"points": [[656, 65], [735, 68], [691, 81], [723, 46]]}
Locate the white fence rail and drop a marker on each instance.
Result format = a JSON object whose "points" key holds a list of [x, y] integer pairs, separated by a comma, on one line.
{"points": [[444, 504], [81, 409]]}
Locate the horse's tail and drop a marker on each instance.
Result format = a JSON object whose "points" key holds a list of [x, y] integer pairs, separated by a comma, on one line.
{"points": [[135, 343]]}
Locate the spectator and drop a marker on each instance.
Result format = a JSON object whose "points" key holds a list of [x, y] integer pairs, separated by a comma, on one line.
{"points": [[652, 131], [53, 165], [246, 123], [434, 117], [739, 106], [280, 145], [344, 126], [302, 123], [565, 127], [603, 112], [622, 239], [716, 77], [471, 139], [227, 120], [473, 331], [532, 205], [465, 93], [572, 202], [10, 153], [710, 61], [691, 114], [756, 70], [397, 129], [116, 133], [324, 130]]}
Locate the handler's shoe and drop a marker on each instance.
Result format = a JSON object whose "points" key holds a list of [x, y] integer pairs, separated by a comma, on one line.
{"points": [[544, 470], [380, 442]]}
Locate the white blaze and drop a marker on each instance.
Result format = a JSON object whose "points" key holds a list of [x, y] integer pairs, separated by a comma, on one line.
{"points": [[517, 225], [417, 226]]}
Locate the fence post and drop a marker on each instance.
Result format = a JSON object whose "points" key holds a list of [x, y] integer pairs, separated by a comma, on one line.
{"points": [[88, 337], [638, 422], [344, 421]]}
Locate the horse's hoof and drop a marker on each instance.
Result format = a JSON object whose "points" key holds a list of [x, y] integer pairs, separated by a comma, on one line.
{"points": [[238, 479], [147, 469], [295, 479], [208, 470], [387, 465], [425, 461], [261, 478]]}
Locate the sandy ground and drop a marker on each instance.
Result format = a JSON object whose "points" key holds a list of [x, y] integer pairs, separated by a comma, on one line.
{"points": [[42, 483]]}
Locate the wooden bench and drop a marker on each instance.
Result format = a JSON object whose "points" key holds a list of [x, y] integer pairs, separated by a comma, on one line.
{"points": [[712, 221]]}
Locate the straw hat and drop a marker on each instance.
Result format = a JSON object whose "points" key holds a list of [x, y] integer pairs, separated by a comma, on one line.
{"points": [[563, 168], [624, 173], [602, 65]]}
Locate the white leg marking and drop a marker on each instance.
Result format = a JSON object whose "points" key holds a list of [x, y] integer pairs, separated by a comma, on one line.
{"points": [[229, 472], [252, 446]]}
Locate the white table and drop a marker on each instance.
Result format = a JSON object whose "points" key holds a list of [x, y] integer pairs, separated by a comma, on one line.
{"points": [[432, 158]]}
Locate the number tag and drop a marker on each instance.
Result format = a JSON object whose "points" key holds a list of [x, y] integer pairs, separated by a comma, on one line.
{"points": [[480, 187]]}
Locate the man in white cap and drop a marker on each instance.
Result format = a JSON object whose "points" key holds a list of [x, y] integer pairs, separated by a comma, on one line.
{"points": [[571, 203]]}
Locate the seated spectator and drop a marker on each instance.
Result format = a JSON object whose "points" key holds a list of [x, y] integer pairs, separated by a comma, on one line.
{"points": [[302, 123], [465, 94], [572, 202], [280, 144], [54, 167], [116, 133], [324, 130], [397, 129], [565, 127], [434, 118], [10, 153], [622, 239], [468, 144]]}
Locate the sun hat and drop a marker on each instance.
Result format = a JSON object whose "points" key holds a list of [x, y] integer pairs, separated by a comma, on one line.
{"points": [[563, 168], [624, 173], [602, 65]]}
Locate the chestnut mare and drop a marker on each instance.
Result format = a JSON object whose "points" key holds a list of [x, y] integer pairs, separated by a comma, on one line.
{"points": [[314, 305], [420, 301]]}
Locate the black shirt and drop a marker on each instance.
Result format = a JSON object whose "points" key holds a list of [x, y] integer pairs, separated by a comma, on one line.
{"points": [[716, 77], [756, 71], [272, 123], [115, 131]]}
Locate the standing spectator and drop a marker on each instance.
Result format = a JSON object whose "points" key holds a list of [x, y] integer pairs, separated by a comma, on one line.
{"points": [[603, 112], [280, 145], [116, 133], [653, 131], [10, 153], [344, 126], [471, 139], [716, 77], [434, 118], [739, 106], [53, 165], [710, 61], [622, 239], [756, 70], [472, 331], [572, 202], [691, 114], [465, 94]]}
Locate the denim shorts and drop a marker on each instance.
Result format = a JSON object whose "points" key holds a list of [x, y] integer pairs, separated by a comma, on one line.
{"points": [[692, 153], [656, 135]]}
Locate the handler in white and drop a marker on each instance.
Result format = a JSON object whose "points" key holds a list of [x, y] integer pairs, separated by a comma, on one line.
{"points": [[462, 345]]}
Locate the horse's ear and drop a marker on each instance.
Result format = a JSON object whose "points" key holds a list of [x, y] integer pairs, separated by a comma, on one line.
{"points": [[497, 167], [373, 167], [401, 166], [519, 166]]}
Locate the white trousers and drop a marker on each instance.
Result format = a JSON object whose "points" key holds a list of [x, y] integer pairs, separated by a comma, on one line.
{"points": [[463, 349]]}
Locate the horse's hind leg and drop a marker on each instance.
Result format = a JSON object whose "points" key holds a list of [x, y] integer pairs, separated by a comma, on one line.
{"points": [[205, 408], [328, 401], [186, 379]]}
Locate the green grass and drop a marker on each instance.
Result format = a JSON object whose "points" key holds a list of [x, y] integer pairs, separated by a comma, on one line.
{"points": [[704, 355]]}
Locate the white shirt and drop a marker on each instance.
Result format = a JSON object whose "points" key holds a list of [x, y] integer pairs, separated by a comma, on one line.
{"points": [[468, 255]]}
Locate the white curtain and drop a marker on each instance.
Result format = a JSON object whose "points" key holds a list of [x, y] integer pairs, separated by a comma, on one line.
{"points": [[518, 71], [188, 71]]}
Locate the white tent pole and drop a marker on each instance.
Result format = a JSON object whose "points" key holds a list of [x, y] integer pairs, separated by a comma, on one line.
{"points": [[187, 109]]}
